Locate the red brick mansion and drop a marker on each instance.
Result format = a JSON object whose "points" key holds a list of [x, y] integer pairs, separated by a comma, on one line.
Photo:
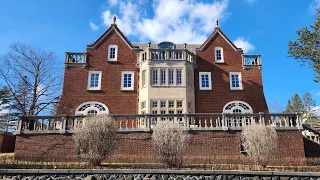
{"points": [[211, 90], [117, 76]]}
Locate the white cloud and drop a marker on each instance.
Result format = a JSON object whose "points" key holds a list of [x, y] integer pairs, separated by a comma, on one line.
{"points": [[175, 20], [313, 5], [93, 26], [246, 46], [113, 2]]}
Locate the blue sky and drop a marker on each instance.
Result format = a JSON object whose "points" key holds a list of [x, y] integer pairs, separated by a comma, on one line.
{"points": [[258, 26]]}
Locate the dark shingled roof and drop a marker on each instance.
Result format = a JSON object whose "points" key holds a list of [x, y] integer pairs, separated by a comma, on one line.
{"points": [[190, 47]]}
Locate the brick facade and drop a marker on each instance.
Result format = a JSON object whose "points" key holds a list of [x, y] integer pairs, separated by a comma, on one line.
{"points": [[204, 148], [126, 102], [213, 101], [76, 80]]}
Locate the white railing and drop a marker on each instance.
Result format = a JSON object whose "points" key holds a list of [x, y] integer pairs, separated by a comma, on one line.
{"points": [[251, 61], [167, 54], [75, 58], [145, 122]]}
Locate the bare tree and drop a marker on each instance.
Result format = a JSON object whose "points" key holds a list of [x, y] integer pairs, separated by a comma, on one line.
{"points": [[96, 138], [31, 77], [170, 141], [260, 142]]}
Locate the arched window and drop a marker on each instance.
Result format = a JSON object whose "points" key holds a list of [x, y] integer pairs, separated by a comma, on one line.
{"points": [[238, 107], [92, 108]]}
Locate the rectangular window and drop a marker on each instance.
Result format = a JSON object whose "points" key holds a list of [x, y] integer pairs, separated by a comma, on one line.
{"points": [[155, 104], [218, 54], [179, 112], [171, 104], [179, 74], [179, 104], [170, 76], [144, 78], [154, 112], [205, 80], [163, 112], [127, 80], [94, 80], [162, 104], [163, 76], [235, 81], [171, 112], [154, 76], [112, 52]]}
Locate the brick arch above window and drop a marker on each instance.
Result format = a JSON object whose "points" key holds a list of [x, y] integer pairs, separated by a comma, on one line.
{"points": [[88, 108], [237, 107]]}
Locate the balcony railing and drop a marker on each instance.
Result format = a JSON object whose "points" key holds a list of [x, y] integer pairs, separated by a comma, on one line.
{"points": [[76, 59], [167, 54], [145, 122], [251, 61]]}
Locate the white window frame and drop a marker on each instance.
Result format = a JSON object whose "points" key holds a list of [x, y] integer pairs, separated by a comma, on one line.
{"points": [[179, 78], [170, 76], [155, 79], [215, 55], [116, 52], [132, 81], [89, 80], [240, 80], [163, 77], [209, 79]]}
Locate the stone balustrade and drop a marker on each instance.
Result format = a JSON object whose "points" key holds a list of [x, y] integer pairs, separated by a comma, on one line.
{"points": [[76, 59], [145, 122], [167, 54], [251, 61]]}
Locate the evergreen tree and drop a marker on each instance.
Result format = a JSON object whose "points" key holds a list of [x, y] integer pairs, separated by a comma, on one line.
{"points": [[308, 102], [295, 104], [307, 47]]}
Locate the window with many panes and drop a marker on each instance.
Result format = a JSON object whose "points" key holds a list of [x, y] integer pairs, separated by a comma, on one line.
{"points": [[112, 52], [162, 103], [163, 76], [94, 80], [219, 54], [154, 76], [154, 104], [170, 76], [235, 81], [179, 77], [179, 104], [127, 80], [205, 80], [171, 104]]}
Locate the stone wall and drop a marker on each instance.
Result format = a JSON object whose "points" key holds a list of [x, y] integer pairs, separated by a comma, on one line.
{"points": [[154, 175], [205, 147]]}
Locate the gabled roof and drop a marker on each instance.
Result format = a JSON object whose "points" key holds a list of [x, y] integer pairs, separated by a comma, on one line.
{"points": [[217, 31], [112, 28]]}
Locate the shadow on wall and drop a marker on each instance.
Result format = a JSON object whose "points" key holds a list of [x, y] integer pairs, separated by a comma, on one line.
{"points": [[7, 142]]}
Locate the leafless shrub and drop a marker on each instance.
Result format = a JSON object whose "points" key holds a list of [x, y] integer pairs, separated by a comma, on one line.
{"points": [[260, 142], [170, 141], [96, 138]]}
